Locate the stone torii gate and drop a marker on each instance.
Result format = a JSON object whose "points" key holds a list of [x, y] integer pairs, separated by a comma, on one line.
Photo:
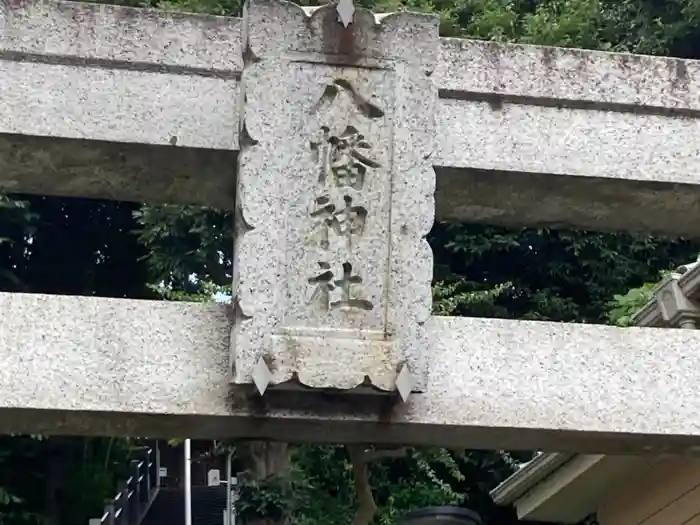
{"points": [[338, 147]]}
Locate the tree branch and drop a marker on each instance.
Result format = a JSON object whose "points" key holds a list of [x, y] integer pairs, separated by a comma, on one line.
{"points": [[360, 458]]}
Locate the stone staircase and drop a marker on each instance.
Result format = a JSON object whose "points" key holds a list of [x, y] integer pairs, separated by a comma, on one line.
{"points": [[142, 501], [208, 505]]}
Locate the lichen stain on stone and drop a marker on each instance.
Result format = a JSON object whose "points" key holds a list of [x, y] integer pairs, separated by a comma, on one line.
{"points": [[293, 349], [83, 14], [548, 58], [16, 4], [678, 73], [495, 103], [134, 15], [337, 39], [632, 64], [271, 363], [40, 167], [382, 357], [585, 59], [390, 410], [492, 56], [625, 60]]}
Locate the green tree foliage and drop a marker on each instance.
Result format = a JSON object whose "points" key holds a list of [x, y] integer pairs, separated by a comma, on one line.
{"points": [[56, 481], [425, 477], [542, 274], [184, 242], [71, 246]]}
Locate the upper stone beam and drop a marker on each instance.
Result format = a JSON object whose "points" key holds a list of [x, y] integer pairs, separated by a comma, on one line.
{"points": [[97, 366], [526, 135], [566, 137], [78, 33], [94, 97], [79, 71], [557, 76]]}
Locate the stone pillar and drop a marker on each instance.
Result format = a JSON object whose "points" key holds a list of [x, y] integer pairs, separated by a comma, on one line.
{"points": [[332, 271]]}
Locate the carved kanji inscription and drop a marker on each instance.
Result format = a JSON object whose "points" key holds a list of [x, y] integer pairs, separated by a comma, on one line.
{"points": [[344, 162], [343, 159], [337, 291], [346, 221], [334, 186]]}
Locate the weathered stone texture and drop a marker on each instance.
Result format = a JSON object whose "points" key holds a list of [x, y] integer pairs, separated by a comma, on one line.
{"points": [[591, 137], [116, 105], [568, 142], [119, 367], [335, 185], [517, 198], [83, 71], [120, 171], [141, 104], [98, 34], [574, 77]]}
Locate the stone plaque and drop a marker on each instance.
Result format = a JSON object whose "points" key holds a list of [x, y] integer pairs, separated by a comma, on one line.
{"points": [[332, 272]]}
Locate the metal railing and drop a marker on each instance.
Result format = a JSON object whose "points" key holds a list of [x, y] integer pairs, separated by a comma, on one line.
{"points": [[136, 494]]}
